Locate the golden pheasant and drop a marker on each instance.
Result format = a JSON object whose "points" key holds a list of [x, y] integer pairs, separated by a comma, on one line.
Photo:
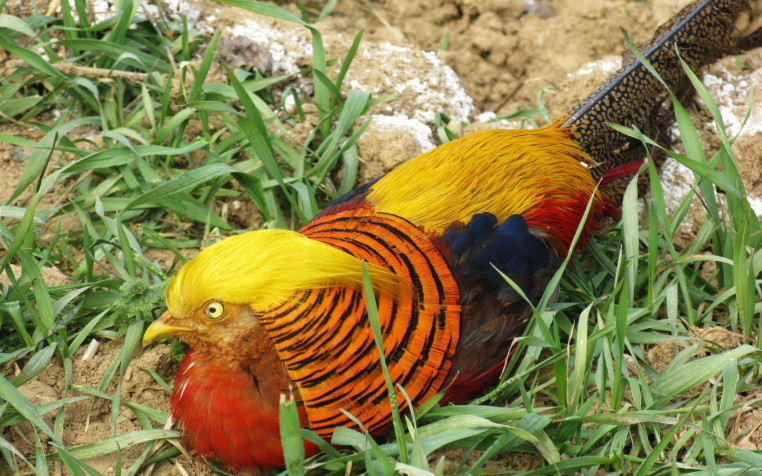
{"points": [[269, 310]]}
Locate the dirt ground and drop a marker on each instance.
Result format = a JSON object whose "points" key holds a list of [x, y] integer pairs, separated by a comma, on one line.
{"points": [[500, 55]]}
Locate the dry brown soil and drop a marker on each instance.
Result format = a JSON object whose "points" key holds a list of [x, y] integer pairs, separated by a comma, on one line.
{"points": [[502, 52]]}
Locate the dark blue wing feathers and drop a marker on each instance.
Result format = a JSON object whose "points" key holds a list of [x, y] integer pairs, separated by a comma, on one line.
{"points": [[493, 313], [480, 248]]}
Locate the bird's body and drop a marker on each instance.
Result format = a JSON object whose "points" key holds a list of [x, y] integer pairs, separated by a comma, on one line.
{"points": [[271, 310], [447, 315]]}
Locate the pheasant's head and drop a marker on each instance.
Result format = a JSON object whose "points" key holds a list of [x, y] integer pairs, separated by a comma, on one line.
{"points": [[214, 300]]}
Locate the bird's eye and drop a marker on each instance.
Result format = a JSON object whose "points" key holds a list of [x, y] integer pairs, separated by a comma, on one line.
{"points": [[214, 310]]}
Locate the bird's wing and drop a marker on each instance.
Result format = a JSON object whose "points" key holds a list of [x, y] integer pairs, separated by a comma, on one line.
{"points": [[481, 254]]}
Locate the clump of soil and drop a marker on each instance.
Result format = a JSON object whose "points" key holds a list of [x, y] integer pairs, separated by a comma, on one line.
{"points": [[506, 52]]}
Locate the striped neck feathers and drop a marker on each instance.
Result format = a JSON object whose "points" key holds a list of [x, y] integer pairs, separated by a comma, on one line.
{"points": [[267, 267], [538, 174]]}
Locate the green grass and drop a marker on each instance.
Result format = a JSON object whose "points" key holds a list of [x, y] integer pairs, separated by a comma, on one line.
{"points": [[582, 396]]}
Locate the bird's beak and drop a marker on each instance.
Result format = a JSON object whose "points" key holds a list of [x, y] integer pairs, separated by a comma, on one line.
{"points": [[159, 329]]}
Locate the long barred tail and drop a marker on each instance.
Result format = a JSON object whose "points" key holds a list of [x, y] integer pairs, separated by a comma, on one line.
{"points": [[703, 32]]}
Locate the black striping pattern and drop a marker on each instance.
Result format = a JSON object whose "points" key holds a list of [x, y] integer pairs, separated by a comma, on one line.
{"points": [[338, 368]]}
